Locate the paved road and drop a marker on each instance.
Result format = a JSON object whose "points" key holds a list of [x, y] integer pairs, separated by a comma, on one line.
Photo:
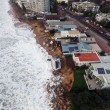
{"points": [[101, 39]]}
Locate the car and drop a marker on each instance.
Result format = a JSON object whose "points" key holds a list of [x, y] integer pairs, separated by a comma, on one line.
{"points": [[86, 28], [101, 32], [107, 34]]}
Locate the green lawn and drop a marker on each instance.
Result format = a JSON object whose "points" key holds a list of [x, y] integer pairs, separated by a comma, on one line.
{"points": [[79, 81], [83, 99], [107, 29], [79, 85]]}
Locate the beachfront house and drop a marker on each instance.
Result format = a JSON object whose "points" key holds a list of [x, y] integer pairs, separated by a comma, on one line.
{"points": [[105, 59], [60, 25], [95, 47], [92, 42], [68, 34], [68, 40], [85, 58], [98, 76], [69, 48]]}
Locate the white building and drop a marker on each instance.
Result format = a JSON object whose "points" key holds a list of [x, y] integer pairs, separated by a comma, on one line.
{"points": [[40, 6], [59, 25], [70, 33], [98, 76], [102, 17], [85, 6], [59, 1]]}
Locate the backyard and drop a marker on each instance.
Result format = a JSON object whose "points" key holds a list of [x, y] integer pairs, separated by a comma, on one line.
{"points": [[79, 85], [83, 99]]}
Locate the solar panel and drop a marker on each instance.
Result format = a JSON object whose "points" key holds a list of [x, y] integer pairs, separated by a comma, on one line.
{"points": [[108, 71], [101, 70], [71, 49]]}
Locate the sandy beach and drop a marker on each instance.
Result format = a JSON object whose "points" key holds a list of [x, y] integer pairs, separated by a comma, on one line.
{"points": [[60, 102]]}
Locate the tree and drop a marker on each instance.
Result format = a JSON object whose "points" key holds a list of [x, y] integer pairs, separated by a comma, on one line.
{"points": [[53, 6], [105, 8], [64, 4]]}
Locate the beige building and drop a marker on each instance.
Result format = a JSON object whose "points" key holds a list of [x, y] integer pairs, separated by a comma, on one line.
{"points": [[85, 6], [40, 6]]}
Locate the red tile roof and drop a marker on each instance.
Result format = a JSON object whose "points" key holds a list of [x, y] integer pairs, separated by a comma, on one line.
{"points": [[87, 56]]}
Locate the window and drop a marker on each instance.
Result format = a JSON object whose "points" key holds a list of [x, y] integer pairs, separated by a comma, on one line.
{"points": [[108, 71]]}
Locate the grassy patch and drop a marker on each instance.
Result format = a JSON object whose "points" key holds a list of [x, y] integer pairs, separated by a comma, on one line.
{"points": [[79, 82], [78, 86], [83, 99], [107, 29]]}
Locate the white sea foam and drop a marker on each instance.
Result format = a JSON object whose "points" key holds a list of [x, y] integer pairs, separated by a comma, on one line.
{"points": [[24, 69]]}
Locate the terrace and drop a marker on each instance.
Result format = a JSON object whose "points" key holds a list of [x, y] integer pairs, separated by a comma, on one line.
{"points": [[97, 76]]}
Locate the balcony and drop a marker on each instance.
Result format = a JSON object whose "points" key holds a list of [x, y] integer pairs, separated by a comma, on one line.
{"points": [[93, 82]]}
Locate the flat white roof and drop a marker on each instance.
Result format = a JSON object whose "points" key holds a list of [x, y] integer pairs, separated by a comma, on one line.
{"points": [[103, 66], [95, 47], [105, 59], [60, 23]]}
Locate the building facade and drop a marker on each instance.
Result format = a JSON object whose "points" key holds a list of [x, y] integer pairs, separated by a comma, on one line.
{"points": [[85, 6], [39, 6], [98, 76]]}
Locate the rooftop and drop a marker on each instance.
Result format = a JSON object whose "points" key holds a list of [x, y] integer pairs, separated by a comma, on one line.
{"points": [[87, 56], [68, 40], [60, 23], [102, 69], [105, 59], [87, 39], [75, 47], [69, 26], [73, 32], [85, 3], [84, 46], [95, 47]]}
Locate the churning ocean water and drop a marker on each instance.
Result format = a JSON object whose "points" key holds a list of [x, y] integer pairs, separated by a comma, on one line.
{"points": [[24, 69]]}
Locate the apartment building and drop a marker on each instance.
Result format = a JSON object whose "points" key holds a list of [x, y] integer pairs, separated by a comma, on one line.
{"points": [[85, 6], [39, 6]]}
